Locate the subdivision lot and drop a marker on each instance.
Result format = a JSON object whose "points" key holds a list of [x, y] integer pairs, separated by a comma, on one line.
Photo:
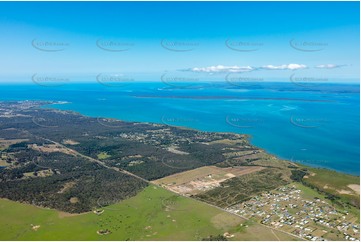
{"points": [[203, 179], [299, 210]]}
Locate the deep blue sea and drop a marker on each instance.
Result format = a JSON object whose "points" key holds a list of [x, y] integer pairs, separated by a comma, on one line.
{"points": [[315, 125]]}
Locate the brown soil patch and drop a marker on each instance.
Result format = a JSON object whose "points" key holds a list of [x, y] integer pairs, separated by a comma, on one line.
{"points": [[67, 186], [74, 200], [51, 148], [175, 150], [42, 173], [4, 163], [62, 214], [70, 142], [5, 143], [355, 188], [203, 179], [344, 192]]}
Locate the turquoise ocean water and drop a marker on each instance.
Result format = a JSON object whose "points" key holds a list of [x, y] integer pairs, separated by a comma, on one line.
{"points": [[314, 125]]}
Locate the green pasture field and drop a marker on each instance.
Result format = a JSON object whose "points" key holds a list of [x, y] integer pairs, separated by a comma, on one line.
{"points": [[154, 214]]}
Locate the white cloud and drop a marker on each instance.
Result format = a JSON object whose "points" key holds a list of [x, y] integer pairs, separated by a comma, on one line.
{"points": [[284, 67], [238, 69], [329, 66], [222, 69]]}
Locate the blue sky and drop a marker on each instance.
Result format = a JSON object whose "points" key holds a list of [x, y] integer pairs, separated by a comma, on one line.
{"points": [[272, 40]]}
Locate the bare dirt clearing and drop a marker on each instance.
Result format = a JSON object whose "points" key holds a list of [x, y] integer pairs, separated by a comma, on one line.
{"points": [[355, 188], [70, 142], [203, 179], [51, 148], [5, 143], [67, 186]]}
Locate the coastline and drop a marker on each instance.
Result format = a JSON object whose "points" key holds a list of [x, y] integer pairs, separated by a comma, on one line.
{"points": [[52, 105], [338, 190], [322, 185], [331, 145]]}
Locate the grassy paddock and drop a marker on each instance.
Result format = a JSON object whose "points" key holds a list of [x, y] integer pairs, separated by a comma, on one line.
{"points": [[154, 214], [335, 187], [341, 185]]}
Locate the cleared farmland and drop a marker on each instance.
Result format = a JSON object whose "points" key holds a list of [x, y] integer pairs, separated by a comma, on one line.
{"points": [[203, 179]]}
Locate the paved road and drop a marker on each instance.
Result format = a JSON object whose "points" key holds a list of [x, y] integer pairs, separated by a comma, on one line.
{"points": [[74, 152]]}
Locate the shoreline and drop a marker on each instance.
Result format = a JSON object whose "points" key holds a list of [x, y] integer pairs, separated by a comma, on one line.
{"points": [[340, 190], [248, 136], [46, 104]]}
